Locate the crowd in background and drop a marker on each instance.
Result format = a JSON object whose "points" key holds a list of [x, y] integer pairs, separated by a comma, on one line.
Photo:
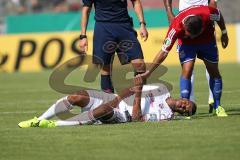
{"points": [[8, 7], [230, 9]]}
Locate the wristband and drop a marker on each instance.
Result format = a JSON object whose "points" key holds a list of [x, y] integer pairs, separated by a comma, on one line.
{"points": [[82, 37], [224, 31], [144, 23]]}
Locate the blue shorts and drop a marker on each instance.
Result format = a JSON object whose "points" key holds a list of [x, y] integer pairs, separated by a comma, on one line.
{"points": [[208, 52], [115, 37]]}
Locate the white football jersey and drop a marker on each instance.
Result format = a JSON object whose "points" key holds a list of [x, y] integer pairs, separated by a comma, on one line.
{"points": [[183, 4], [153, 103]]}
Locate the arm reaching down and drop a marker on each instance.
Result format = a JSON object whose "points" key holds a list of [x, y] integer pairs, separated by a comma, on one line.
{"points": [[224, 37], [168, 8], [159, 58], [84, 22], [216, 15], [137, 5]]}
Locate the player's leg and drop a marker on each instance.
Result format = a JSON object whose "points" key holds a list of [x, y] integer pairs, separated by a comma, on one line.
{"points": [[106, 81], [66, 104], [181, 49], [187, 56], [210, 96], [215, 84], [185, 79], [105, 113], [104, 47], [80, 119], [209, 54], [62, 105], [130, 50]]}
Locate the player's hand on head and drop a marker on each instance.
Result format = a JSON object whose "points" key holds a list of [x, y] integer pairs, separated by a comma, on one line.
{"points": [[224, 40], [143, 33], [83, 44]]}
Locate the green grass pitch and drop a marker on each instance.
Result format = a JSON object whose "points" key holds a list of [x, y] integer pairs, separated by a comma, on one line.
{"points": [[24, 95]]}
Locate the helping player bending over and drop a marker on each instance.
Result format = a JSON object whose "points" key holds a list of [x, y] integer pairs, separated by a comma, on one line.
{"points": [[100, 107], [195, 33], [183, 4]]}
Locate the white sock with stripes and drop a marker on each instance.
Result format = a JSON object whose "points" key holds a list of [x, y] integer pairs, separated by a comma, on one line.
{"points": [[80, 119], [61, 106]]}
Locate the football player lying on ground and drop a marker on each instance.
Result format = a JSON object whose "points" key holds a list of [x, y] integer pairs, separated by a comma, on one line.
{"points": [[155, 104]]}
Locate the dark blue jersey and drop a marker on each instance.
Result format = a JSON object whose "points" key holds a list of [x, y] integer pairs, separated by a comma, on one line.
{"points": [[109, 10]]}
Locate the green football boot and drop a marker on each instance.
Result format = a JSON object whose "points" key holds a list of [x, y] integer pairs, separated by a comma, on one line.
{"points": [[47, 124], [29, 123], [220, 111]]}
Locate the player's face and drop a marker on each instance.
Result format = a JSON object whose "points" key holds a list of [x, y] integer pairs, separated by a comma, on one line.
{"points": [[183, 106]]}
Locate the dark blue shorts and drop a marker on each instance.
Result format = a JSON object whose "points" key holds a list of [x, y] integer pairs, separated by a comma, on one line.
{"points": [[115, 37], [208, 52]]}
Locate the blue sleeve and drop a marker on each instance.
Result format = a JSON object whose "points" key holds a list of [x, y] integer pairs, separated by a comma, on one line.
{"points": [[87, 3]]}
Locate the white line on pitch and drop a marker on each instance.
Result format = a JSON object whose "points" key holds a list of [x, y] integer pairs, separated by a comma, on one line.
{"points": [[228, 92], [19, 112], [204, 105]]}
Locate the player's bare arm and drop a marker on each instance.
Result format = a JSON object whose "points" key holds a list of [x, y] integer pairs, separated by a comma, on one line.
{"points": [[159, 58], [106, 110], [137, 90], [222, 26], [168, 7], [137, 113], [84, 22], [137, 5], [224, 37]]}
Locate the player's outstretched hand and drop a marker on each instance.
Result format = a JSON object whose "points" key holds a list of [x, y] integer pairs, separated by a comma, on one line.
{"points": [[83, 45], [138, 81], [144, 33], [224, 40], [141, 78]]}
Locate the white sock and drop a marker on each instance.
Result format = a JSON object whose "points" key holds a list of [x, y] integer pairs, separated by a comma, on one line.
{"points": [[210, 96], [192, 97], [66, 123], [61, 106], [81, 119]]}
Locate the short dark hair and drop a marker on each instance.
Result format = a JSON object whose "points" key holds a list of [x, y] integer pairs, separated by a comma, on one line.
{"points": [[193, 110], [193, 24]]}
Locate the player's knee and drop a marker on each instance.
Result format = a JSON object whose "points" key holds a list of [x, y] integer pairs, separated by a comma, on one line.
{"points": [[78, 98], [186, 75], [139, 65], [107, 109], [74, 99], [105, 70], [106, 118], [218, 76], [215, 75]]}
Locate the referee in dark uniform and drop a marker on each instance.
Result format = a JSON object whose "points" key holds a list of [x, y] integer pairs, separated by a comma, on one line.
{"points": [[114, 32]]}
